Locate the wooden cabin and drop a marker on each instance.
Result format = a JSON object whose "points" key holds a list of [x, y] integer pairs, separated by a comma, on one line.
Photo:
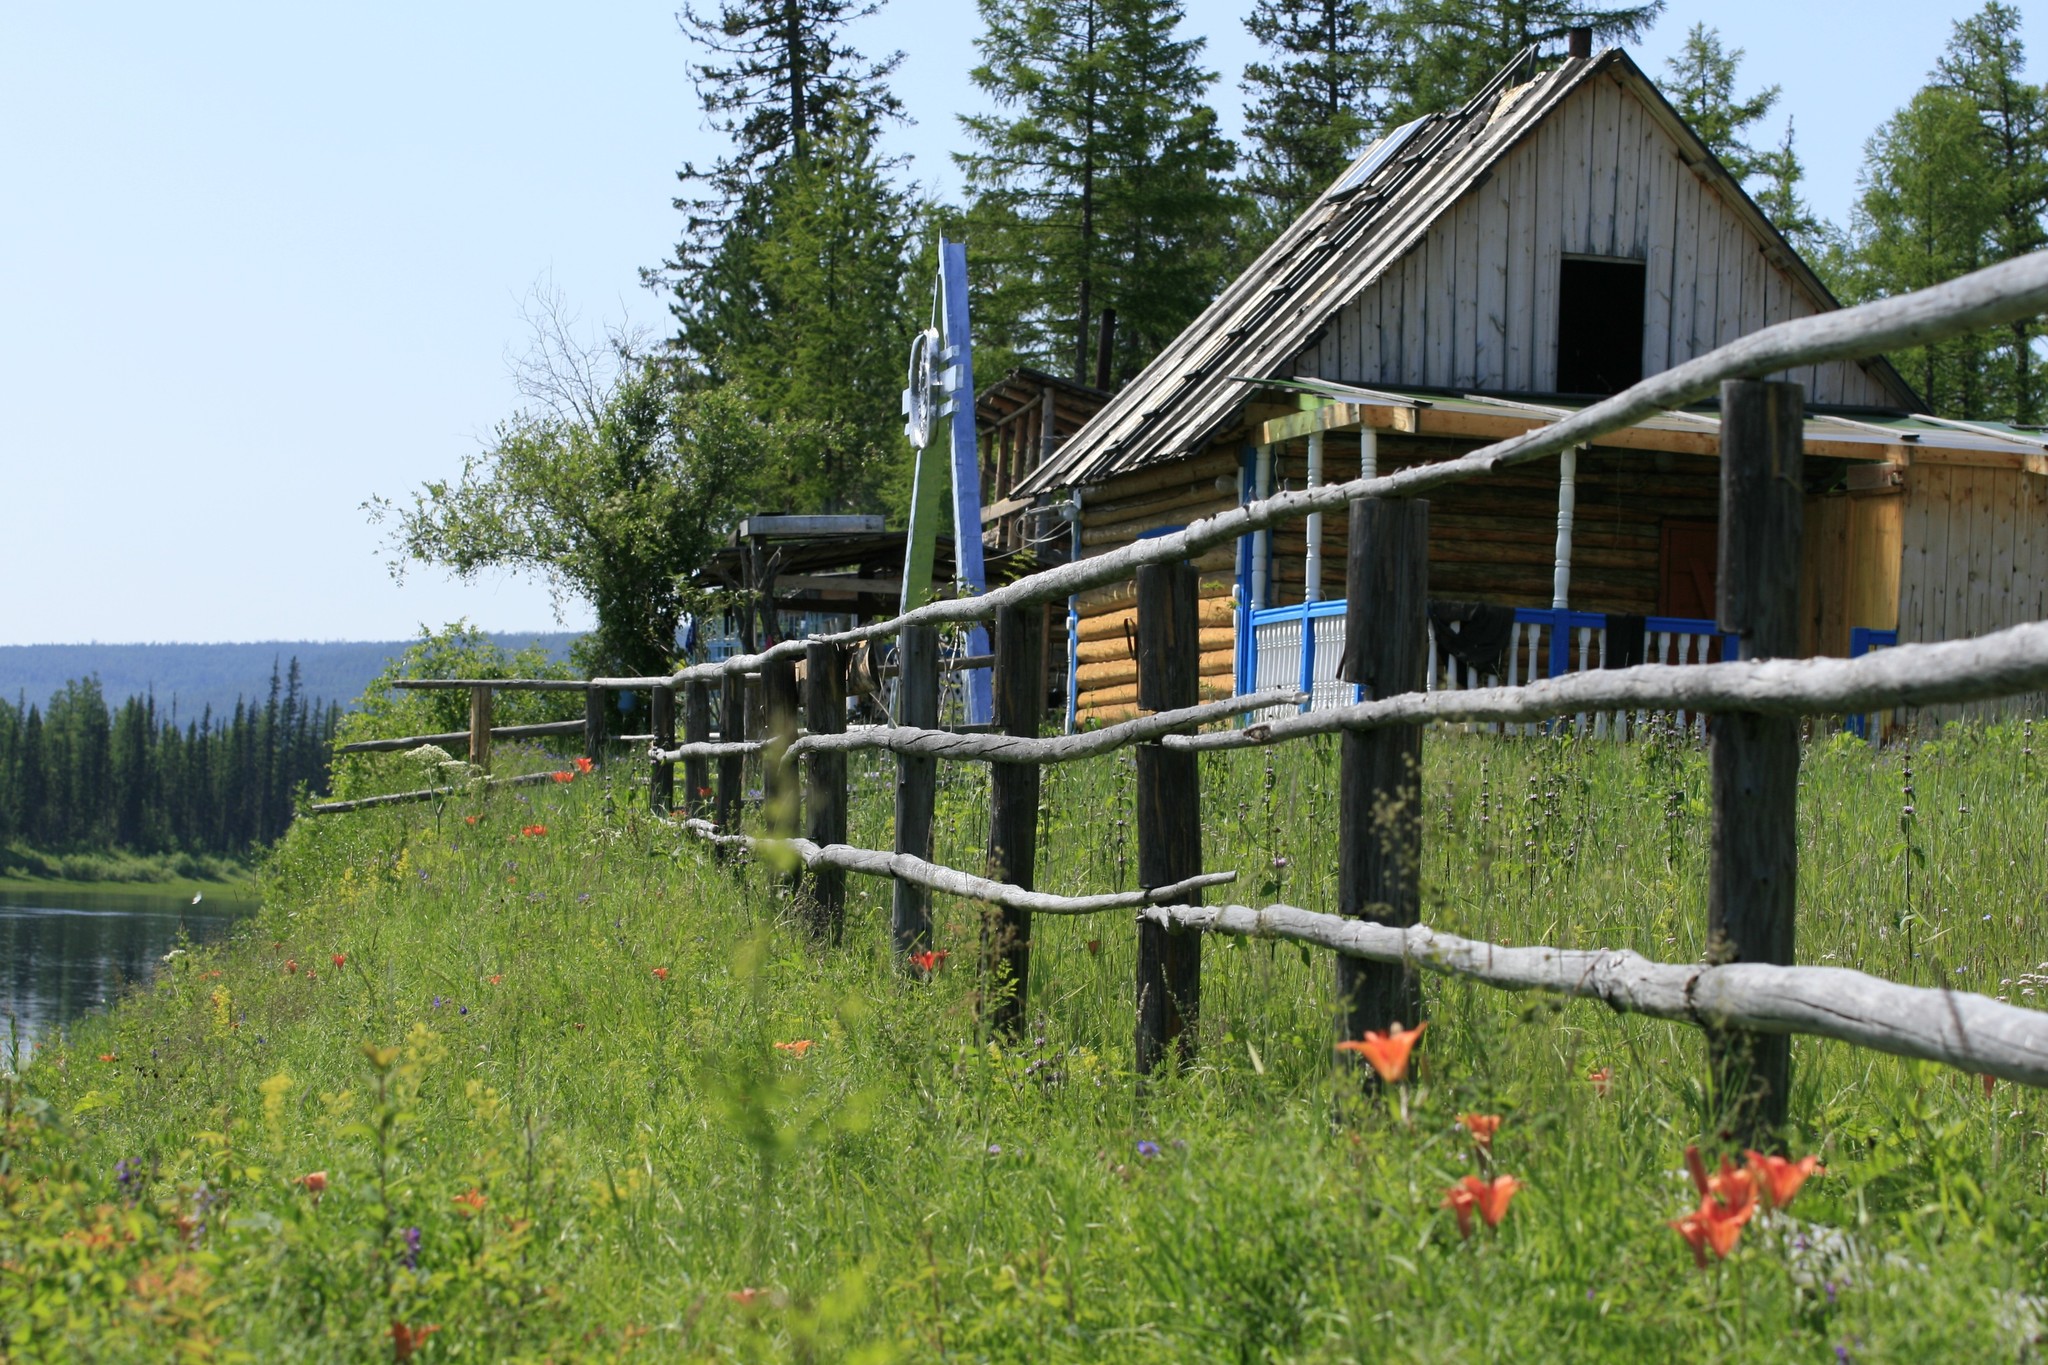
{"points": [[1476, 274]]}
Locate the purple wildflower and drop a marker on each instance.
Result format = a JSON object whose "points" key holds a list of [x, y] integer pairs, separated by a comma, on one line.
{"points": [[125, 1172], [1148, 1148], [412, 1248], [995, 1149]]}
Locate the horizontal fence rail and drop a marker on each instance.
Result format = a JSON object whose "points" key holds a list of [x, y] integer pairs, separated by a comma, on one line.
{"points": [[1956, 1028], [388, 746], [2001, 664], [425, 794], [870, 862]]}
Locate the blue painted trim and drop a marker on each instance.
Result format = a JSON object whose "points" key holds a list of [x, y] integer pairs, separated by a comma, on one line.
{"points": [[1314, 610], [1863, 639]]}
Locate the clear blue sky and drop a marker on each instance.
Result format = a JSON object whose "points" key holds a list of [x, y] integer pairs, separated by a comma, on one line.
{"points": [[259, 262]]}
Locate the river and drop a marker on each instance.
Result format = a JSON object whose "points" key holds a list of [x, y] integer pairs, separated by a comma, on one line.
{"points": [[66, 952]]}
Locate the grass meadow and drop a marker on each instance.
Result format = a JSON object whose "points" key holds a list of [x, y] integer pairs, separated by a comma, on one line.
{"points": [[532, 1077]]}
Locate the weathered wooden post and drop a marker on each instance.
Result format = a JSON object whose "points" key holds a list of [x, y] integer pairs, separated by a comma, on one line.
{"points": [[825, 781], [917, 704], [696, 730], [595, 702], [1013, 812], [1379, 775], [732, 767], [780, 792], [1169, 811], [480, 727], [1753, 760], [661, 773]]}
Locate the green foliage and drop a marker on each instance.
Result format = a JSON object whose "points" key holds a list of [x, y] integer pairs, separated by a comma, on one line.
{"points": [[614, 489], [1700, 81], [1955, 181], [1448, 49], [1105, 189], [550, 1150], [1313, 107]]}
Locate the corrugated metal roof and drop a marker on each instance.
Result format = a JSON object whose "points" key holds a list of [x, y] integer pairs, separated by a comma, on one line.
{"points": [[1354, 231]]}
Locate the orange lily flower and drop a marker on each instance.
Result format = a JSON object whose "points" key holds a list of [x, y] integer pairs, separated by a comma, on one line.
{"points": [[107, 1056], [1990, 1082], [532, 832], [1602, 1079], [292, 965], [661, 973], [1482, 1127], [469, 819], [1490, 1197], [405, 1340], [341, 959], [565, 776], [494, 980], [745, 1297], [1713, 1225], [584, 765], [1459, 1199], [929, 961], [1779, 1179], [1388, 1052], [799, 1047], [471, 1199], [315, 1182]]}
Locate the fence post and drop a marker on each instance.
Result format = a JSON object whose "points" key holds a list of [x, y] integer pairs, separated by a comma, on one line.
{"points": [[917, 704], [595, 700], [661, 773], [696, 730], [1753, 760], [780, 792], [1379, 776], [825, 781], [732, 767], [480, 727], [1013, 812], [1169, 811]]}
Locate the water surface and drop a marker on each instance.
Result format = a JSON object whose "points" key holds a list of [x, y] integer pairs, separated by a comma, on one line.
{"points": [[64, 952]]}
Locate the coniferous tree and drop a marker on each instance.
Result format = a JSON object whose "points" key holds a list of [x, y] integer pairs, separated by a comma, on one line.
{"points": [[1700, 82], [1100, 186], [1955, 181], [1314, 103], [1448, 49]]}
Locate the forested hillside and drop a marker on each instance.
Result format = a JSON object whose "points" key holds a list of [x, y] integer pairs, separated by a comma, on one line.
{"points": [[79, 773]]}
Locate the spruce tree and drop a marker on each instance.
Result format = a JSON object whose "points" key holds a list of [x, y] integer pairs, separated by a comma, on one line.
{"points": [[1314, 102], [1700, 82], [1100, 185], [1448, 49]]}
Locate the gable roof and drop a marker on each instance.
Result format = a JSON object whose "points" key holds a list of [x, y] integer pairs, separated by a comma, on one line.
{"points": [[1376, 212]]}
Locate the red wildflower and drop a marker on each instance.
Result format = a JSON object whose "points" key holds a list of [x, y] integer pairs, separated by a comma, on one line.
{"points": [[799, 1047], [565, 776], [1602, 1079], [292, 965], [315, 1183], [1094, 946], [661, 973], [929, 961], [1388, 1052], [469, 819], [405, 1340], [1482, 1127], [1714, 1225], [745, 1297], [533, 831], [584, 765], [1778, 1179], [471, 1200], [1490, 1197], [341, 959], [1989, 1083], [106, 1056], [497, 978]]}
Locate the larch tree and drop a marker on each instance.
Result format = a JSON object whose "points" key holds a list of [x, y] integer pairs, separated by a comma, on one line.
{"points": [[1446, 50], [1101, 183], [1955, 181], [1700, 82], [1313, 100]]}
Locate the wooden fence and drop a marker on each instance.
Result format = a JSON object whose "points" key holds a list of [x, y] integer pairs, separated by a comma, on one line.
{"points": [[1749, 998]]}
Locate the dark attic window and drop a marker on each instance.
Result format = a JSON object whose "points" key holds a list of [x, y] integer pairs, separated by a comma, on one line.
{"points": [[1599, 324]]}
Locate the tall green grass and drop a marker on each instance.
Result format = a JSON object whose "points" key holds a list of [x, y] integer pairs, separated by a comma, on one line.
{"points": [[660, 1181]]}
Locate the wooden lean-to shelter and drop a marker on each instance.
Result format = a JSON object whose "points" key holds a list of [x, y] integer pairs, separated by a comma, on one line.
{"points": [[1480, 272]]}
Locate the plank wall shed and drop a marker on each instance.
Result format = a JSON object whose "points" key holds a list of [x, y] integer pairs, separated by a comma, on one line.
{"points": [[1478, 273]]}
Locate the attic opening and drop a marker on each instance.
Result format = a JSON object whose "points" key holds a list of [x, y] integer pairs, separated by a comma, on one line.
{"points": [[1599, 324]]}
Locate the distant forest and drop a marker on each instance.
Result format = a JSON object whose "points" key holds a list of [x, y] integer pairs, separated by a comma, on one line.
{"points": [[80, 774], [186, 679]]}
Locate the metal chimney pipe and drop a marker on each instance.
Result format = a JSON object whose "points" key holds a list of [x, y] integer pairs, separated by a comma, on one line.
{"points": [[1578, 42]]}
